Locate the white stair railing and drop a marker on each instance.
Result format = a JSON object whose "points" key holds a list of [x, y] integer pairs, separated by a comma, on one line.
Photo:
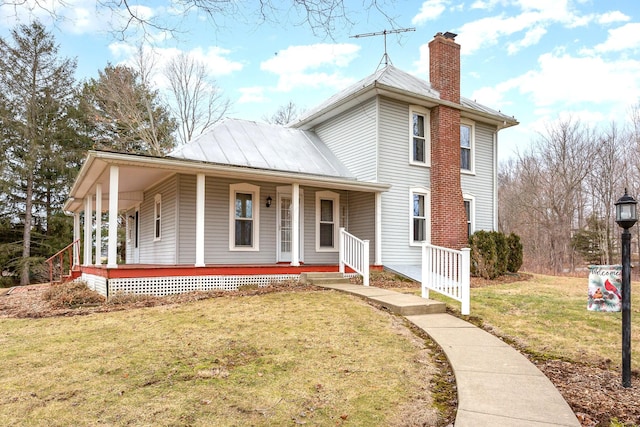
{"points": [[447, 271], [354, 253]]}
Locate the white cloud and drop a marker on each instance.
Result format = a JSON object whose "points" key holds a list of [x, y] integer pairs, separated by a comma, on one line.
{"points": [[311, 65], [429, 11], [611, 17], [214, 57], [532, 37], [565, 81], [621, 38]]}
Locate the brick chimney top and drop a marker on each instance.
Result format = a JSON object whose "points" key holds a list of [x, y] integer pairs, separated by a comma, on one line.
{"points": [[444, 66]]}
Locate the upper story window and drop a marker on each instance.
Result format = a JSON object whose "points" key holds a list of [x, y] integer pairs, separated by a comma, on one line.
{"points": [[419, 149], [420, 222], [157, 215], [327, 221], [467, 146], [243, 217]]}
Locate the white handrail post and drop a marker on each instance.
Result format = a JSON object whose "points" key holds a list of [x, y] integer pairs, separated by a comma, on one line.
{"points": [[365, 267], [341, 254], [466, 281]]}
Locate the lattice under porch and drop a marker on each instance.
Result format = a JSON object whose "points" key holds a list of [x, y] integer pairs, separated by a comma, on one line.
{"points": [[168, 280]]}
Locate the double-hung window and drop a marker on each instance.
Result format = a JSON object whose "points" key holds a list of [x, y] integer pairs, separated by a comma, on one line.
{"points": [[420, 226], [157, 215], [469, 209], [243, 216], [467, 137], [327, 220], [420, 150]]}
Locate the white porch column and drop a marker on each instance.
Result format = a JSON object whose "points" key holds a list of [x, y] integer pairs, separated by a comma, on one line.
{"points": [[88, 223], [98, 242], [295, 224], [378, 230], [200, 220], [76, 237], [112, 255]]}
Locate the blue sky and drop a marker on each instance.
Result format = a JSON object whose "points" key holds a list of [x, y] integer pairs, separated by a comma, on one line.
{"points": [[537, 60]]}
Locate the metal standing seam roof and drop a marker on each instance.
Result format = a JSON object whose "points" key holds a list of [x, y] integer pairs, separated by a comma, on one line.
{"points": [[259, 145], [395, 78]]}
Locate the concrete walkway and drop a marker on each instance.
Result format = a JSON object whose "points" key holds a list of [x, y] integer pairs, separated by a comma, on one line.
{"points": [[497, 386]]}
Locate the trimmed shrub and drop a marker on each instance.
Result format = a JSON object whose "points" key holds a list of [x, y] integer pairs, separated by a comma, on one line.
{"points": [[484, 255], [493, 254], [515, 253], [502, 252]]}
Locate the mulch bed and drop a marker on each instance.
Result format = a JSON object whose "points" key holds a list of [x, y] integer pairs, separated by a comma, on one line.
{"points": [[595, 393]]}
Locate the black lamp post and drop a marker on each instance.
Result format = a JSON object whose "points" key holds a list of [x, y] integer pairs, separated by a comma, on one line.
{"points": [[626, 217]]}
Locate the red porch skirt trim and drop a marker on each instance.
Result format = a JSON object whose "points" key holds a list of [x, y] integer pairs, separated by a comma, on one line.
{"points": [[146, 270]]}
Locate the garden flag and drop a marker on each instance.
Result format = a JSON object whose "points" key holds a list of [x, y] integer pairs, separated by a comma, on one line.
{"points": [[605, 286]]}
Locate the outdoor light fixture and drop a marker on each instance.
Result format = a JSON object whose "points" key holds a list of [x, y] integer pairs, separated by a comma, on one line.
{"points": [[626, 213], [626, 217], [269, 200]]}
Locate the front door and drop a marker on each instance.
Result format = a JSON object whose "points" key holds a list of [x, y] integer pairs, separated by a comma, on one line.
{"points": [[285, 221]]}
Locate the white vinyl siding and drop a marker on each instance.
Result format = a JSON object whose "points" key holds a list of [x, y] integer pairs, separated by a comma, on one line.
{"points": [[351, 136], [482, 183], [396, 207], [152, 250], [187, 223], [361, 220]]}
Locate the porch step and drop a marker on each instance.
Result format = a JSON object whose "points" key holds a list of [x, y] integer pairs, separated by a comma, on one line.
{"points": [[324, 278]]}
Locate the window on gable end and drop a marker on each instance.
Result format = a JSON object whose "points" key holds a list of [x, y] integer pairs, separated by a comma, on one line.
{"points": [[419, 149], [467, 146], [244, 208]]}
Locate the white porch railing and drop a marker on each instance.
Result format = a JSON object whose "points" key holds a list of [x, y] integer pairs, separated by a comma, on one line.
{"points": [[447, 271], [354, 253]]}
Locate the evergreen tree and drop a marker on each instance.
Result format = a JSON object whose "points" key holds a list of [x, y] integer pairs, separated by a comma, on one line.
{"points": [[39, 148]]}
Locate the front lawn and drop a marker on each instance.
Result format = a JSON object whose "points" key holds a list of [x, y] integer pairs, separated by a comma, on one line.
{"points": [[315, 358]]}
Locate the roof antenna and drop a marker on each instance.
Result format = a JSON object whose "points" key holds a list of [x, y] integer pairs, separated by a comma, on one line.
{"points": [[385, 57]]}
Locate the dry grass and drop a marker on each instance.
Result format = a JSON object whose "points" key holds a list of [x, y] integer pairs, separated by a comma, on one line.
{"points": [[548, 315], [315, 358]]}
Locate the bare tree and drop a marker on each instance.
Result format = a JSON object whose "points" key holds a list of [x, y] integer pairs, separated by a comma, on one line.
{"points": [[126, 114], [284, 115], [323, 17], [197, 100]]}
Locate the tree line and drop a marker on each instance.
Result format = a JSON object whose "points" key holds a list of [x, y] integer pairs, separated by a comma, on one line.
{"points": [[48, 121], [559, 195]]}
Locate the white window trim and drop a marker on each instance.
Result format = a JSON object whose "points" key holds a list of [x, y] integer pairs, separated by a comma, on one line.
{"points": [[472, 210], [254, 190], [427, 135], [427, 200], [335, 197], [157, 217], [472, 137]]}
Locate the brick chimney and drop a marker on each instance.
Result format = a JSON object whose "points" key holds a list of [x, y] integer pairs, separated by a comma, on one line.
{"points": [[448, 217]]}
